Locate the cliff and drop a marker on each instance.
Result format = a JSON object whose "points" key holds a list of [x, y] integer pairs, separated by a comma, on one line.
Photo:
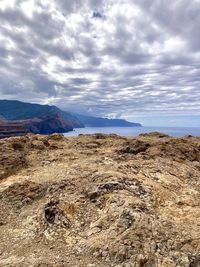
{"points": [[12, 128], [99, 201], [17, 110], [45, 125]]}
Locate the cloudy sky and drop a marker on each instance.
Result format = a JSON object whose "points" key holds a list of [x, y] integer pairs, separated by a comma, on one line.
{"points": [[136, 59]]}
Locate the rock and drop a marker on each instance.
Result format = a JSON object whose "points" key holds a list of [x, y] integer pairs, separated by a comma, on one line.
{"points": [[12, 156], [24, 192], [18, 145], [56, 137], [155, 134], [135, 187], [135, 148], [38, 144], [195, 262], [54, 215]]}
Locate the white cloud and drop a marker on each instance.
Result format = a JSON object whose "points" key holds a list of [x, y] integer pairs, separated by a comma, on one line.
{"points": [[108, 57]]}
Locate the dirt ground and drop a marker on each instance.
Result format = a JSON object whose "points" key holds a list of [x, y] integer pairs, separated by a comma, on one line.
{"points": [[99, 201]]}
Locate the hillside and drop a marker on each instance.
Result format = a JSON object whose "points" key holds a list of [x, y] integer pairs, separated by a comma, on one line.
{"points": [[90, 121], [46, 125], [17, 110], [100, 201]]}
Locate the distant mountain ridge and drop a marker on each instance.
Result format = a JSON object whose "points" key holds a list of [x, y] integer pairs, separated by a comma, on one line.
{"points": [[90, 121], [45, 119]]}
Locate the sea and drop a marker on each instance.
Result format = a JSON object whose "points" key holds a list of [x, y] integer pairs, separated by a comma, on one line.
{"points": [[135, 131]]}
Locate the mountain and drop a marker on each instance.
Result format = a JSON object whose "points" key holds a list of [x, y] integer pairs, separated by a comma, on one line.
{"points": [[89, 121], [45, 119], [51, 118], [17, 110]]}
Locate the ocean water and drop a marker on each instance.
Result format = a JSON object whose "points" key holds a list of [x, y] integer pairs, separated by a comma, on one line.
{"points": [[135, 131]]}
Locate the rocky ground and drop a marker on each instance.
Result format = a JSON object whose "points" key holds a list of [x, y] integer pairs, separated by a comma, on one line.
{"points": [[100, 200]]}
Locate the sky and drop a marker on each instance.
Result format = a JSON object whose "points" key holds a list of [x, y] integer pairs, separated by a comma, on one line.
{"points": [[132, 59]]}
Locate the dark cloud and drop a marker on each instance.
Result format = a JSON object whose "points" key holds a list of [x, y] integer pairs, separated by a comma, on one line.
{"points": [[102, 57], [97, 14]]}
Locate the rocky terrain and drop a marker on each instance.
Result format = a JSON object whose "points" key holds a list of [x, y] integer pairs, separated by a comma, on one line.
{"points": [[99, 201]]}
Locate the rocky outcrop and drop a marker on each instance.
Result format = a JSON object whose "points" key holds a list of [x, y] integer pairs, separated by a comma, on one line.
{"points": [[99, 201], [8, 129], [46, 125], [45, 116]]}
